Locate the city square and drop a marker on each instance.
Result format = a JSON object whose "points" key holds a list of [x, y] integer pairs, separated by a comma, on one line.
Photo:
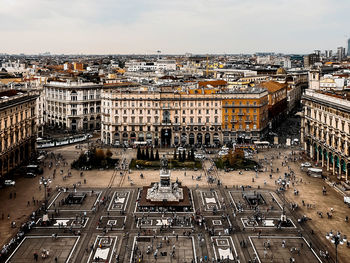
{"points": [[233, 221]]}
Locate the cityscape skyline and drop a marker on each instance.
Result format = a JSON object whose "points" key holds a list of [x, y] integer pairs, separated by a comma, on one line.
{"points": [[200, 27]]}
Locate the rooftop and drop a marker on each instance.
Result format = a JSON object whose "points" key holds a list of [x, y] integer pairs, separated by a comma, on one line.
{"points": [[273, 86], [212, 83], [12, 97], [339, 94]]}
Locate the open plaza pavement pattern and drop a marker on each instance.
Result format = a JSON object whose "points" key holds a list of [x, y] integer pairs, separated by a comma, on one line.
{"points": [[108, 226]]}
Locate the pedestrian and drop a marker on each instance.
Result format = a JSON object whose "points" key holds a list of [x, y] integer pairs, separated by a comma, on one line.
{"points": [[36, 256], [28, 203], [14, 195], [56, 259]]}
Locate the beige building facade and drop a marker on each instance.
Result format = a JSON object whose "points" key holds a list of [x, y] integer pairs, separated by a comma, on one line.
{"points": [[186, 115], [17, 128], [163, 117], [325, 130], [73, 106]]}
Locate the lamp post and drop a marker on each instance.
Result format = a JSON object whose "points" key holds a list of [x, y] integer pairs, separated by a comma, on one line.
{"points": [[336, 239], [45, 182]]}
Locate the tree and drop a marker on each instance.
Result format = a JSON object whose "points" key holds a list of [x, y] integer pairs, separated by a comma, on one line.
{"points": [[192, 154], [175, 154], [157, 155], [100, 154], [180, 156], [183, 155], [147, 154], [138, 155], [189, 158], [109, 153], [152, 155], [143, 157], [234, 158]]}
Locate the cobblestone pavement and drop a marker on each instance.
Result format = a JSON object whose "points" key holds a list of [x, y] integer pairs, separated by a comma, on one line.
{"points": [[113, 230]]}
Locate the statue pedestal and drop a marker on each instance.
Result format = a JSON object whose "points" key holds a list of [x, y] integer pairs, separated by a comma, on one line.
{"points": [[165, 190]]}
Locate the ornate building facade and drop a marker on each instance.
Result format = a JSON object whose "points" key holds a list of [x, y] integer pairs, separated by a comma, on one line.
{"points": [[73, 106], [17, 128], [169, 116], [325, 129]]}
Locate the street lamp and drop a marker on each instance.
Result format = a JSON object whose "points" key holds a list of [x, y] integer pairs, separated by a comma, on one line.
{"points": [[336, 239], [45, 182]]}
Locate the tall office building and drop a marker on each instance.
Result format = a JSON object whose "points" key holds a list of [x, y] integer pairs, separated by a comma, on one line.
{"points": [[310, 60], [341, 53], [328, 53]]}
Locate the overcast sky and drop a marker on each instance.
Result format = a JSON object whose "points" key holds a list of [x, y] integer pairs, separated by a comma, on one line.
{"points": [[177, 26]]}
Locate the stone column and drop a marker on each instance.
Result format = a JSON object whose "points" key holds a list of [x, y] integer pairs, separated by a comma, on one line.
{"points": [[346, 172], [311, 151], [322, 158], [327, 162]]}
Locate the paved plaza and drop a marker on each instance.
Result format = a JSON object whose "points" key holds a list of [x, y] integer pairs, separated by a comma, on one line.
{"points": [[46, 247], [283, 249], [238, 221]]}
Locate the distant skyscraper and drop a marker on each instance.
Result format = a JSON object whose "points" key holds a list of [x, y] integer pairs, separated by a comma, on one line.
{"points": [[328, 53], [349, 47], [341, 53]]}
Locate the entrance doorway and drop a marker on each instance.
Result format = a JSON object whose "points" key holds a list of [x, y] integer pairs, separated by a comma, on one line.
{"points": [[166, 137]]}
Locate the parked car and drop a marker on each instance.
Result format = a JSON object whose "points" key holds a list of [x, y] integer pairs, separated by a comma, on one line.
{"points": [[198, 156], [222, 153], [307, 164], [224, 148], [180, 150], [347, 200], [33, 168], [9, 183], [30, 175]]}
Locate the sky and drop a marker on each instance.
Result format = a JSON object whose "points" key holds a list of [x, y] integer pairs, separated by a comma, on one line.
{"points": [[173, 27]]}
